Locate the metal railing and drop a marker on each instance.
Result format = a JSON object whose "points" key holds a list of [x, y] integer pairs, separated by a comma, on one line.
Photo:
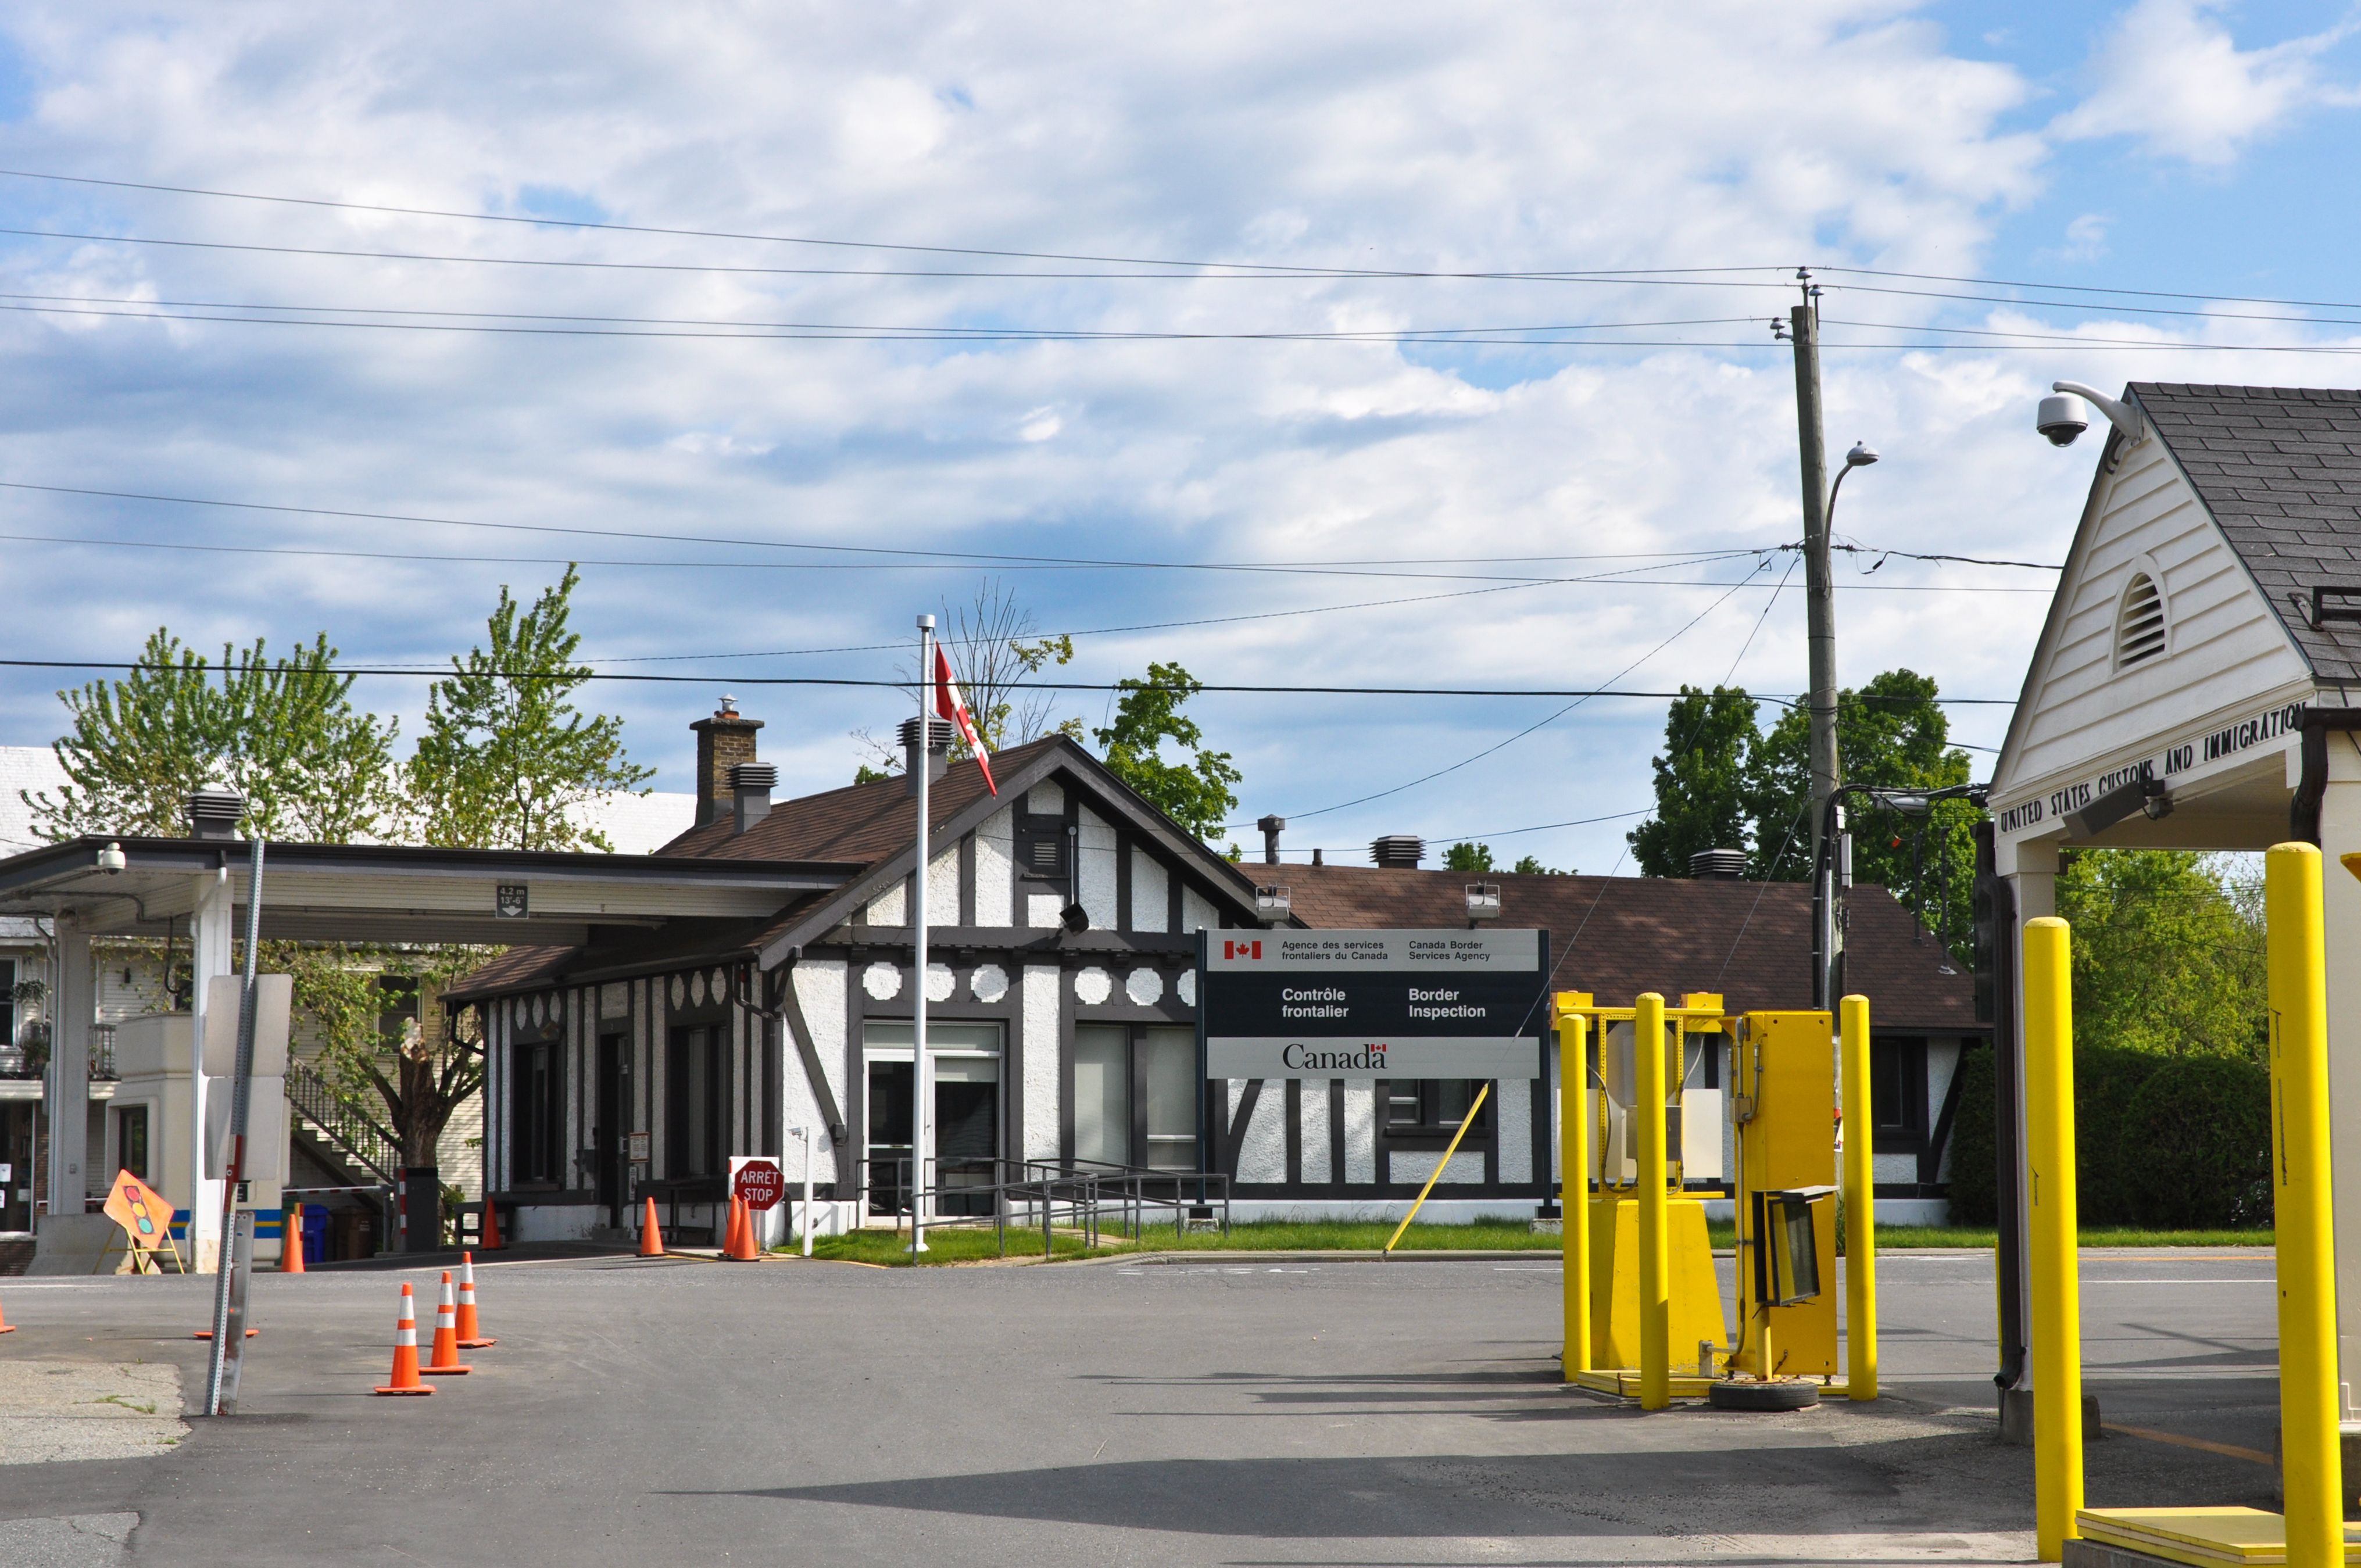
{"points": [[353, 1132], [1087, 1196]]}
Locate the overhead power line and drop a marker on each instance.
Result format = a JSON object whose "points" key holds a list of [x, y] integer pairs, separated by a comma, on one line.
{"points": [[1288, 689]]}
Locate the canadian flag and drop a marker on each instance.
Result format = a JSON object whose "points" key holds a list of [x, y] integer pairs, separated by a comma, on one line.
{"points": [[951, 704]]}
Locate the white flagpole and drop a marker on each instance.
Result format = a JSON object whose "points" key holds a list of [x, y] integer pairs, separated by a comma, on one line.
{"points": [[921, 1078]]}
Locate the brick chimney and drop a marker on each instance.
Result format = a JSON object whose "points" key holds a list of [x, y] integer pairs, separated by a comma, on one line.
{"points": [[723, 741]]}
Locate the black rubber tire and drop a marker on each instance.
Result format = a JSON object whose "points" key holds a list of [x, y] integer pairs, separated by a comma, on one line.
{"points": [[1745, 1394]]}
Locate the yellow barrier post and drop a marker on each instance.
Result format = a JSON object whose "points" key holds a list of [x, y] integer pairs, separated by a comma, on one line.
{"points": [[1655, 1257], [2312, 1468], [1573, 1184], [2056, 1279], [1860, 1207]]}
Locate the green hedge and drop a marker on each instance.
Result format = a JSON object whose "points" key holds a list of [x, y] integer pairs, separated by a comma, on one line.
{"points": [[2166, 1142]]}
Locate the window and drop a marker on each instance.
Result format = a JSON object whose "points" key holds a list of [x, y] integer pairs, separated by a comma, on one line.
{"points": [[1433, 1107], [1135, 1095], [1897, 1091], [537, 1114], [8, 1002], [693, 1104], [397, 1007], [2139, 622], [1102, 1093], [131, 1140]]}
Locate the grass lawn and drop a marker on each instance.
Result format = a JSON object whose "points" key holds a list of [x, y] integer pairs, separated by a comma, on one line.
{"points": [[889, 1249]]}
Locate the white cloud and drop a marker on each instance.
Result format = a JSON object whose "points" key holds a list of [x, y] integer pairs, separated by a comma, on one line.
{"points": [[2171, 76], [1704, 134]]}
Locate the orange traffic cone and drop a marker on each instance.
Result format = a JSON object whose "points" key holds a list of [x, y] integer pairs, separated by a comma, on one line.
{"points": [[5, 1326], [748, 1251], [651, 1234], [405, 1352], [733, 1236], [443, 1360], [492, 1242], [471, 1337], [290, 1241]]}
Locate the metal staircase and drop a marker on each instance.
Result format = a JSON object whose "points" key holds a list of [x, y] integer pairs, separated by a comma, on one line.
{"points": [[351, 1131]]}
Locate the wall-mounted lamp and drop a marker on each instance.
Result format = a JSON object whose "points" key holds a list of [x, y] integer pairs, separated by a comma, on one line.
{"points": [[1271, 904], [1483, 901]]}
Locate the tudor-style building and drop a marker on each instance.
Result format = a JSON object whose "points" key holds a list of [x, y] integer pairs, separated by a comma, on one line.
{"points": [[1062, 1009]]}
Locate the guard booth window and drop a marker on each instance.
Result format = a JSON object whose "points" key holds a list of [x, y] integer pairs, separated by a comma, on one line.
{"points": [[1433, 1107], [537, 1113], [131, 1139], [693, 1102]]}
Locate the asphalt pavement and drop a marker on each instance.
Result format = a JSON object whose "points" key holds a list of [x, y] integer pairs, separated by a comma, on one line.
{"points": [[1212, 1410]]}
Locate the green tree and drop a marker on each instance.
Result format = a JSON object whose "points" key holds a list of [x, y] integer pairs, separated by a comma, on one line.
{"points": [[1700, 797], [1195, 790], [506, 756], [418, 1062], [1892, 734], [1465, 856], [2167, 952], [283, 732], [1527, 865]]}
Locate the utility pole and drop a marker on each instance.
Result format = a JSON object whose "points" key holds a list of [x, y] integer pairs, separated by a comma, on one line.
{"points": [[1820, 616]]}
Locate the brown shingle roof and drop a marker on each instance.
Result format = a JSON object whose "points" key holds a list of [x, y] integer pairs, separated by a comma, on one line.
{"points": [[1618, 936], [858, 824]]}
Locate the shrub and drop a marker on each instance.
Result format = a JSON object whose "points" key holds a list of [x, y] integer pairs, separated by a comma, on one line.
{"points": [[2194, 1147], [1975, 1191]]}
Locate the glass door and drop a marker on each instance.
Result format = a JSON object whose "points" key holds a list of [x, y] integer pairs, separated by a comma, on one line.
{"points": [[963, 1165], [1102, 1093]]}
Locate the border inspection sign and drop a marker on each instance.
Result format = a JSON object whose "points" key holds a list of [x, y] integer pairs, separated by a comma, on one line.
{"points": [[1370, 1005]]}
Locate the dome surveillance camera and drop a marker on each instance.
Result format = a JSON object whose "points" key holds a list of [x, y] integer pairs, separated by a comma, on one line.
{"points": [[2062, 418]]}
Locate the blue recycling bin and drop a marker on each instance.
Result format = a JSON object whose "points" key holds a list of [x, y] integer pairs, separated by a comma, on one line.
{"points": [[315, 1234]]}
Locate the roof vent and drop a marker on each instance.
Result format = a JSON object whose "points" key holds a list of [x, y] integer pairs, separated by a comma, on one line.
{"points": [[2140, 624], [1718, 865], [1398, 852], [938, 738], [750, 788], [214, 813]]}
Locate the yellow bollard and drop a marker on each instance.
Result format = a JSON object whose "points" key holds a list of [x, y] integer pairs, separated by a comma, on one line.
{"points": [[1655, 1257], [1574, 1185], [1860, 1207], [2056, 1275], [2313, 1468]]}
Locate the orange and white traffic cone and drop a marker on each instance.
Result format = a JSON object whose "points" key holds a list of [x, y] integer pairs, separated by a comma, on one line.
{"points": [[5, 1326], [747, 1250], [405, 1352], [651, 1234], [492, 1242], [290, 1241], [443, 1361], [471, 1337]]}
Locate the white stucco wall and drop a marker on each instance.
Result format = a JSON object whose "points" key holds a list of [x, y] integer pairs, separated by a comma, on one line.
{"points": [[1096, 846], [892, 907], [996, 870], [1262, 1153], [1041, 1062], [1418, 1164], [1312, 1130], [820, 992], [943, 886], [1515, 1121], [1360, 1131], [1151, 893], [1197, 911]]}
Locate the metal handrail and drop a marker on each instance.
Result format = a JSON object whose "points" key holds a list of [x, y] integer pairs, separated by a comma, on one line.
{"points": [[352, 1129], [1081, 1191]]}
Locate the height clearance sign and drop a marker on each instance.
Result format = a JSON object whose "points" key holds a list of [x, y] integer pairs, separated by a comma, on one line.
{"points": [[1395, 1004]]}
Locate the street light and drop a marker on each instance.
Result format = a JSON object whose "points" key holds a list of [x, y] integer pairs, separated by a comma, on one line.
{"points": [[1820, 636], [1825, 885]]}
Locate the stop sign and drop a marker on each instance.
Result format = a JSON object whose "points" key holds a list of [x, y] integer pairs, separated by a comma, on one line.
{"points": [[759, 1183]]}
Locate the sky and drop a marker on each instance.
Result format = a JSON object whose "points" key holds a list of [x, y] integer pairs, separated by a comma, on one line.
{"points": [[1432, 351]]}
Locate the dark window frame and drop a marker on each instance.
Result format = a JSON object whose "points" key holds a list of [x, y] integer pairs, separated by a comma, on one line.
{"points": [[1441, 1104], [537, 1113], [681, 1042], [1897, 1092]]}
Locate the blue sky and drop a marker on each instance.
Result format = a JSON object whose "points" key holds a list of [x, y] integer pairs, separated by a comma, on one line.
{"points": [[2164, 146]]}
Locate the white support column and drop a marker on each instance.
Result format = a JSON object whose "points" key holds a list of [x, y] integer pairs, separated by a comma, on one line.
{"points": [[2340, 834], [71, 1011], [211, 927]]}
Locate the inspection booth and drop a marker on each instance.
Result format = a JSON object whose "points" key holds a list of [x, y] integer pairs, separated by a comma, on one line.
{"points": [[2197, 685]]}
